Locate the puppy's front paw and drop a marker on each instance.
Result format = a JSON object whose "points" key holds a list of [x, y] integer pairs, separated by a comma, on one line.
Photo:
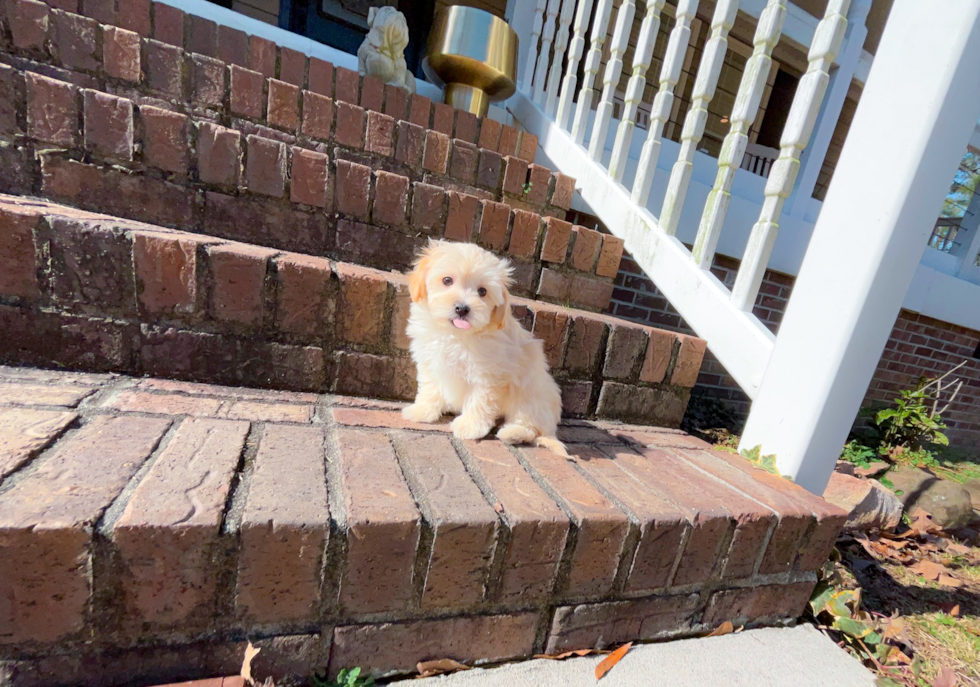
{"points": [[421, 413], [470, 427]]}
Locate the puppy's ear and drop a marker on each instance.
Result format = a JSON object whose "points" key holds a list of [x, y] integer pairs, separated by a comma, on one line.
{"points": [[417, 277], [500, 312]]}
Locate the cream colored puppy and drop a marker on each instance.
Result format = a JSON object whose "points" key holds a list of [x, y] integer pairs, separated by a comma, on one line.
{"points": [[474, 360]]}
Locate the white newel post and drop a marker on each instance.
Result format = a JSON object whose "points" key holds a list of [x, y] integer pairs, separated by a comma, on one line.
{"points": [[915, 117]]}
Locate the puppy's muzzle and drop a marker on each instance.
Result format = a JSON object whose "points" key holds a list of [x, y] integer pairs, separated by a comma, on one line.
{"points": [[461, 310]]}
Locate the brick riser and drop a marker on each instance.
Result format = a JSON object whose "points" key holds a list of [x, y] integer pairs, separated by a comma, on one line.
{"points": [[87, 292], [333, 534], [317, 161]]}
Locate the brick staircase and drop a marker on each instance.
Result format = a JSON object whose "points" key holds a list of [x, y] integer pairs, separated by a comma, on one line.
{"points": [[201, 235]]}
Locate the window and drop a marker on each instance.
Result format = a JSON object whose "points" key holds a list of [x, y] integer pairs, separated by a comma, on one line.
{"points": [[957, 203]]}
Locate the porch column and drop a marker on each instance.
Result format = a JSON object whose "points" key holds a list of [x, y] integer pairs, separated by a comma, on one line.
{"points": [[811, 161], [916, 115]]}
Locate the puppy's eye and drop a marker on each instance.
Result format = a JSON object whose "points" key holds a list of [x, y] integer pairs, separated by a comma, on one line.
{"points": [[482, 291], [448, 281]]}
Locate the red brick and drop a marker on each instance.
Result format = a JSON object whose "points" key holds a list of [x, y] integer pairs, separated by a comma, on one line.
{"points": [[166, 273], [551, 328], [134, 15], [688, 362], [219, 152], [262, 56], [508, 141], [305, 297], [375, 375], [585, 249], [168, 24], [609, 256], [488, 173], [642, 404], [108, 125], [467, 126], [539, 179], [207, 81], [265, 169], [25, 432], [380, 134], [442, 118], [353, 189], [528, 146], [463, 524], [489, 134], [42, 395], [436, 155], [28, 22], [310, 177], [121, 53], [350, 125], [317, 115], [372, 93], [103, 11], [48, 546], [609, 624], [585, 338], [576, 398], [52, 110], [658, 355], [75, 41], [590, 294], [202, 36], [564, 190], [285, 528], [238, 277], [411, 144], [388, 647], [246, 91], [348, 86], [557, 235], [464, 161], [389, 419], [268, 412], [537, 528], [283, 105], [364, 244], [382, 525], [461, 216], [163, 65], [754, 604], [515, 175], [429, 208], [91, 267], [627, 345], [396, 102], [232, 46], [525, 234], [494, 225], [165, 143], [18, 266], [390, 198], [321, 77], [164, 404], [168, 533], [363, 294], [233, 392], [420, 111], [292, 67]]}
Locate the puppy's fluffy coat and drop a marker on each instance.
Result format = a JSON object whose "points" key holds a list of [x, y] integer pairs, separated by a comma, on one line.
{"points": [[473, 358]]}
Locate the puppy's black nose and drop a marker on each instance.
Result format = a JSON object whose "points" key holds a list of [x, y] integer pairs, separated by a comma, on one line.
{"points": [[462, 310]]}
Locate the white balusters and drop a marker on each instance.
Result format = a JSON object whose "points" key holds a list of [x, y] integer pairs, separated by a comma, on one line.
{"points": [[697, 116], [743, 114], [575, 50], [532, 48], [599, 27], [561, 42], [541, 71], [796, 133], [610, 80], [670, 73], [634, 91]]}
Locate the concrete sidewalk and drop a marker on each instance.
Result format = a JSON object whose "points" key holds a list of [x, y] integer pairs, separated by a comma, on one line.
{"points": [[770, 657]]}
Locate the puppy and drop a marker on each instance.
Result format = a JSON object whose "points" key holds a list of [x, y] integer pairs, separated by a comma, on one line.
{"points": [[474, 360]]}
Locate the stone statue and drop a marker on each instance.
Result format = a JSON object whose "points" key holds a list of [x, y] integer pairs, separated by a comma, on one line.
{"points": [[382, 54]]}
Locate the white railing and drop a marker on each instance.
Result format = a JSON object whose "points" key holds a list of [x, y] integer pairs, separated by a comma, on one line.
{"points": [[800, 413]]}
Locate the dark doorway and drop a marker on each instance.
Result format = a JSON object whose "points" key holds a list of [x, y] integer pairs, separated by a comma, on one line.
{"points": [[783, 90]]}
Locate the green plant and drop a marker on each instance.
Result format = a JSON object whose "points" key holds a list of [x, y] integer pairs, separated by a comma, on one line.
{"points": [[348, 677], [858, 454], [767, 463], [527, 187]]}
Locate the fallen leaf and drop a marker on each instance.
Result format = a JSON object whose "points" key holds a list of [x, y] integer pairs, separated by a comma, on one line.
{"points": [[950, 581], [955, 611], [928, 569], [568, 654], [439, 666], [922, 523], [958, 548], [250, 653], [723, 629], [498, 507], [606, 664], [897, 657], [946, 678]]}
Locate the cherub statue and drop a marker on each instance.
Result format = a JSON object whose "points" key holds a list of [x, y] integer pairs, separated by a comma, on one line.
{"points": [[382, 54]]}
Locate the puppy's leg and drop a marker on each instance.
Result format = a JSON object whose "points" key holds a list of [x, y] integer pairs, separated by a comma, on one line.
{"points": [[429, 403], [478, 416], [516, 433]]}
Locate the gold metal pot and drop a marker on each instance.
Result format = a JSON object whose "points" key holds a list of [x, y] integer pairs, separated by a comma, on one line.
{"points": [[473, 55]]}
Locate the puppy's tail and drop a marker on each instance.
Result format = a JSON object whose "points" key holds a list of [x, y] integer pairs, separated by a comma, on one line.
{"points": [[552, 444]]}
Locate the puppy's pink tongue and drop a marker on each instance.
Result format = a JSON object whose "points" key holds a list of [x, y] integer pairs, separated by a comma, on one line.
{"points": [[461, 324]]}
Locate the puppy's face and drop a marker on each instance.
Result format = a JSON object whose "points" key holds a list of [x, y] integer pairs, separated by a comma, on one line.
{"points": [[463, 286]]}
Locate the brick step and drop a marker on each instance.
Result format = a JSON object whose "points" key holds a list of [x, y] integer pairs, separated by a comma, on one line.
{"points": [[91, 292], [147, 527], [318, 161]]}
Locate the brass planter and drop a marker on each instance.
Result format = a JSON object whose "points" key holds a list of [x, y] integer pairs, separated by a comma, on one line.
{"points": [[473, 55]]}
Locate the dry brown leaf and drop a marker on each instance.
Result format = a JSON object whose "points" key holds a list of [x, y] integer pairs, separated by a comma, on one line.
{"points": [[928, 569], [723, 629], [946, 678], [955, 611], [568, 654], [606, 664], [958, 548], [950, 581], [922, 523], [897, 657], [439, 666], [250, 653]]}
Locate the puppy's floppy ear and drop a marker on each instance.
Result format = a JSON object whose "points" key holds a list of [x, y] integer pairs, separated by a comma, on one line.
{"points": [[417, 277], [500, 312]]}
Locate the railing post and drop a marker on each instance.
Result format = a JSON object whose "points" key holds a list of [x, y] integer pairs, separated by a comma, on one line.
{"points": [[916, 115], [811, 161]]}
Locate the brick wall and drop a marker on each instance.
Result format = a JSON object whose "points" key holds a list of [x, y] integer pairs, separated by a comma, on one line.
{"points": [[918, 345]]}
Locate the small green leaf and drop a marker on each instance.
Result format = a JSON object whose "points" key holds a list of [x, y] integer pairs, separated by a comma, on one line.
{"points": [[822, 594], [852, 627]]}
